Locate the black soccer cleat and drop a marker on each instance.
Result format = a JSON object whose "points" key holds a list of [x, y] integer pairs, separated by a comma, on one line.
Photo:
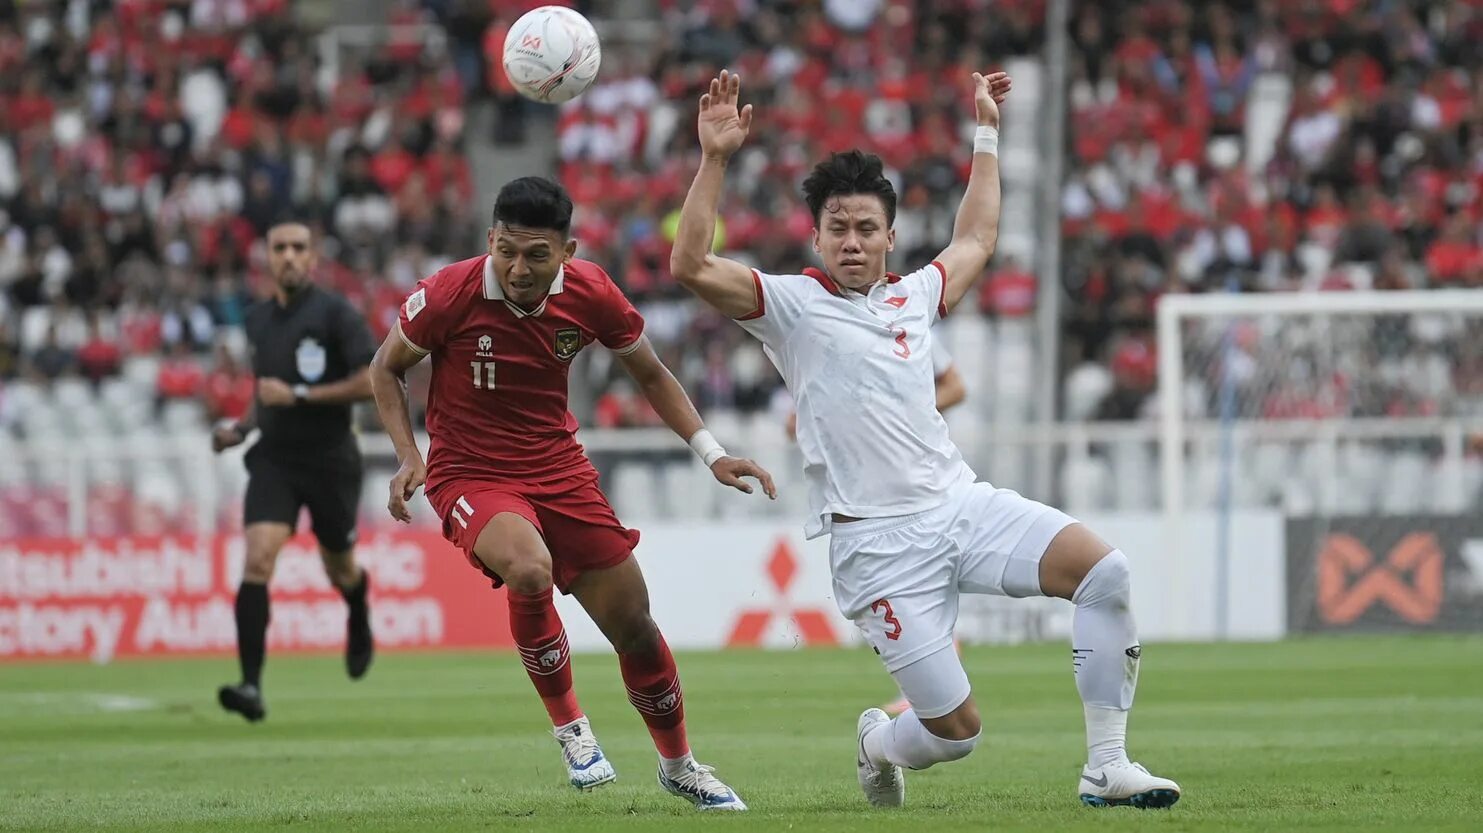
{"points": [[244, 699], [360, 645]]}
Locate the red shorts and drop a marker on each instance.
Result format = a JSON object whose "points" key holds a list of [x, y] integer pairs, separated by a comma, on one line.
{"points": [[572, 516]]}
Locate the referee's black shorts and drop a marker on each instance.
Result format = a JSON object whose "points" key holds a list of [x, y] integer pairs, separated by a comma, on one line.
{"points": [[327, 482]]}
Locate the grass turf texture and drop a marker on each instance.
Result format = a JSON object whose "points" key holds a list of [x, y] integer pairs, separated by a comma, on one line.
{"points": [[1332, 734]]}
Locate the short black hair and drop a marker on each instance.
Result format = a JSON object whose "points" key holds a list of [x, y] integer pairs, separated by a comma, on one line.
{"points": [[289, 219], [534, 202], [846, 173]]}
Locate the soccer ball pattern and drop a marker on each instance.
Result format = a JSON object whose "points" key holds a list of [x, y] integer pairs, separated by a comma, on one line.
{"points": [[552, 54]]}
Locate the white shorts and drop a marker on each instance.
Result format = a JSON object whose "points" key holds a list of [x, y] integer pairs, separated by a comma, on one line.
{"points": [[899, 578]]}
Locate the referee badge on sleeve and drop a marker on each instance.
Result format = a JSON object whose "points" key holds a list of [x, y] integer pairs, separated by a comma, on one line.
{"points": [[310, 360], [568, 342]]}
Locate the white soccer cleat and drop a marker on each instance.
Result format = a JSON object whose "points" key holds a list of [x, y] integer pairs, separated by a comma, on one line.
{"points": [[700, 787], [884, 786], [1126, 784], [586, 766]]}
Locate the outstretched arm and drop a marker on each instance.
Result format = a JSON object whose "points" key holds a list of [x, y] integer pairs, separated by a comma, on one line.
{"points": [[673, 405], [389, 384], [724, 284], [976, 229]]}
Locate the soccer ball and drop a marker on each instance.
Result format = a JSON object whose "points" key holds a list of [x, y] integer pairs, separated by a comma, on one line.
{"points": [[552, 54]]}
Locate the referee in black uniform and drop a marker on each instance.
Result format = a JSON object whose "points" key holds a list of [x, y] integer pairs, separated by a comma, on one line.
{"points": [[311, 352]]}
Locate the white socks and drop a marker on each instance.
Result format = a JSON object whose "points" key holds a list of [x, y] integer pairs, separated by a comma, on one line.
{"points": [[1105, 651], [906, 742], [675, 767]]}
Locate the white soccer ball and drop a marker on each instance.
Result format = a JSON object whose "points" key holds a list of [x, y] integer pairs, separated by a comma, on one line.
{"points": [[552, 54]]}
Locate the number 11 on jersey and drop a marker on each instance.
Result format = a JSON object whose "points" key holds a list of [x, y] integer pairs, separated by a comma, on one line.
{"points": [[483, 375]]}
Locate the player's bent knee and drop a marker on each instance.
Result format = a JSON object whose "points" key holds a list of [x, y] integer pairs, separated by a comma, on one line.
{"points": [[961, 724], [258, 567], [1109, 580], [339, 567], [527, 575], [1069, 559]]}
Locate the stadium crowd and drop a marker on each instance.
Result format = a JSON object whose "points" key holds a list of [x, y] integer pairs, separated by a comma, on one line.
{"points": [[1315, 146], [146, 146], [1321, 145], [1324, 145]]}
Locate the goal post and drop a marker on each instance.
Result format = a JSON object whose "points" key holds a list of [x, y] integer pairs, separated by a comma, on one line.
{"points": [[1347, 413]]}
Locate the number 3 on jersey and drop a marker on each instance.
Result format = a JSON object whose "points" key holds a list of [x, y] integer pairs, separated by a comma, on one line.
{"points": [[483, 375], [889, 618]]}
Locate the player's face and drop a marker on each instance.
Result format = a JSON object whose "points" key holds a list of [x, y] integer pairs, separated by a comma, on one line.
{"points": [[291, 255], [526, 260], [853, 238]]}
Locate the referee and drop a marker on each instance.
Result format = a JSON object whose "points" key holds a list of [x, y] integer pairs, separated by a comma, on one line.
{"points": [[310, 352]]}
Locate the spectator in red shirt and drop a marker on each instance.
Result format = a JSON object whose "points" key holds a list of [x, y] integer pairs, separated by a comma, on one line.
{"points": [[1455, 252], [229, 388], [180, 375], [100, 356]]}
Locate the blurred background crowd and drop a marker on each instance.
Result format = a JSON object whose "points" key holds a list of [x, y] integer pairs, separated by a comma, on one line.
{"points": [[1268, 146]]}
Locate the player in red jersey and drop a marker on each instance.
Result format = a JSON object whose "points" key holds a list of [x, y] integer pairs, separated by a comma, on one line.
{"points": [[511, 484]]}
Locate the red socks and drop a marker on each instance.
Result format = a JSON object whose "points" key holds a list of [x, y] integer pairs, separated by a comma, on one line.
{"points": [[541, 640], [652, 680], [653, 684]]}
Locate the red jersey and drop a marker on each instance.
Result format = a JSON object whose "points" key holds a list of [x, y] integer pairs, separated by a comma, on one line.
{"points": [[497, 404]]}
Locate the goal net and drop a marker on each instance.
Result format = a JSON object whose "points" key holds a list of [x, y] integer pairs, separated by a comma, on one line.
{"points": [[1357, 418]]}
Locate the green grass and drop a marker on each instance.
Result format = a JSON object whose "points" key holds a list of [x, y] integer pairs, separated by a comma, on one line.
{"points": [[1332, 734]]}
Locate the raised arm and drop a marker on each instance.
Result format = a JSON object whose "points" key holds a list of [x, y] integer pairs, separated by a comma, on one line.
{"points": [[388, 374], [724, 284], [673, 405], [976, 229]]}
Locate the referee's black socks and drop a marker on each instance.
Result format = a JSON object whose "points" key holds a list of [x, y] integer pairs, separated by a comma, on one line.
{"points": [[252, 630], [355, 594], [360, 646]]}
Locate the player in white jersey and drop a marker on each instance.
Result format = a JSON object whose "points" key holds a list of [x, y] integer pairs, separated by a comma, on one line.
{"points": [[947, 386], [910, 526]]}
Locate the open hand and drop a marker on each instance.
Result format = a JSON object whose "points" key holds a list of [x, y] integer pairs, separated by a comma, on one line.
{"points": [[989, 91], [722, 127]]}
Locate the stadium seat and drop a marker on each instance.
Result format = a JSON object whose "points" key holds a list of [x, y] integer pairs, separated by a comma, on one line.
{"points": [[1086, 484], [1407, 483], [635, 486]]}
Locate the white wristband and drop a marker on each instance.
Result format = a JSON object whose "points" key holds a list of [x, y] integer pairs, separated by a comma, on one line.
{"points": [[986, 140], [706, 447]]}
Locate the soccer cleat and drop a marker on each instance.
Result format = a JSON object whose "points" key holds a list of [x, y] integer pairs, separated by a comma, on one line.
{"points": [[360, 645], [884, 786], [1126, 785], [244, 699], [586, 767], [698, 786]]}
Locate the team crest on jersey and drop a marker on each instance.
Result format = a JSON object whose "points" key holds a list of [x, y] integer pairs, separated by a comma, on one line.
{"points": [[568, 342], [310, 360], [415, 303], [486, 347]]}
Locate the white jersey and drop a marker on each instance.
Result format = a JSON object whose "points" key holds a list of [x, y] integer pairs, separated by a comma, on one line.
{"points": [[861, 371]]}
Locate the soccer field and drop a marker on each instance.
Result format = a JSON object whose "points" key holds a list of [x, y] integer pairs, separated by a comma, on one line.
{"points": [[1334, 734]]}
